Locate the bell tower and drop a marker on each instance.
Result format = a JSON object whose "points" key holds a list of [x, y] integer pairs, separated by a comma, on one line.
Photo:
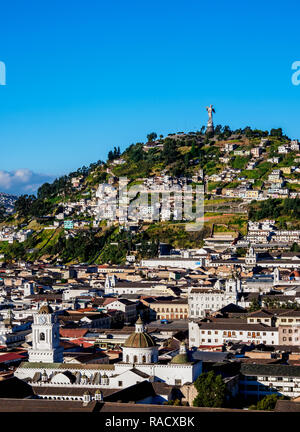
{"points": [[45, 337]]}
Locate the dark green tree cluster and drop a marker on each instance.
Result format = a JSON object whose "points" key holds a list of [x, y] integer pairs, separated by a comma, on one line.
{"points": [[254, 305], [30, 206], [169, 153], [136, 153], [295, 247], [84, 247], [276, 133], [267, 403], [273, 208], [211, 390], [148, 248], [151, 136], [115, 154]]}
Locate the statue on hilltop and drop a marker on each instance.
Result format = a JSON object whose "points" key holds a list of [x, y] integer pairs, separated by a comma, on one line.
{"points": [[210, 125]]}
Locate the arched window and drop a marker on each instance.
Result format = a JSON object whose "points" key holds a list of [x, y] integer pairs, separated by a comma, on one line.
{"points": [[135, 359], [42, 336], [144, 359]]}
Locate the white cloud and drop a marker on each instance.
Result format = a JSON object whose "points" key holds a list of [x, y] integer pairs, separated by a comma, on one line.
{"points": [[22, 181]]}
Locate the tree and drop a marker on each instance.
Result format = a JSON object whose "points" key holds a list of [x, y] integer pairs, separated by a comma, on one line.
{"points": [[211, 390], [295, 247], [254, 306], [169, 153], [267, 403], [23, 205], [113, 154], [276, 132], [151, 136]]}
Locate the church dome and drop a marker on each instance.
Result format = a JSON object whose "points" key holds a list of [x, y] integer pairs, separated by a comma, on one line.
{"points": [[45, 309], [139, 338], [180, 359]]}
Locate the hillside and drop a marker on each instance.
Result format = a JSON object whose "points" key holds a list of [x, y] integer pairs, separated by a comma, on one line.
{"points": [[237, 168]]}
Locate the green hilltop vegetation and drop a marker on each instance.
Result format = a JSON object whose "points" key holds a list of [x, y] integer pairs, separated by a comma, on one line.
{"points": [[178, 155]]}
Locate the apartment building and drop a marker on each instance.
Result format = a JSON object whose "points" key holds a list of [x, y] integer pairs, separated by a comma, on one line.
{"points": [[260, 380], [219, 333]]}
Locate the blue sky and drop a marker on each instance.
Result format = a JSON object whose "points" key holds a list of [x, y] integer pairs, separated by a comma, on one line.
{"points": [[83, 77]]}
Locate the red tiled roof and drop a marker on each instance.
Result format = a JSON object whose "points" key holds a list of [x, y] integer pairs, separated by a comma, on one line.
{"points": [[90, 309], [109, 300], [10, 357], [82, 342], [72, 333]]}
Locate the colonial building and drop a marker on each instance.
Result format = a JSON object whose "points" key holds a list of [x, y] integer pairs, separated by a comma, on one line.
{"points": [[203, 302], [219, 333], [46, 369]]}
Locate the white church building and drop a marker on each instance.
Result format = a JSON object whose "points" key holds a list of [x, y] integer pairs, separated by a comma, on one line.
{"points": [[54, 379]]}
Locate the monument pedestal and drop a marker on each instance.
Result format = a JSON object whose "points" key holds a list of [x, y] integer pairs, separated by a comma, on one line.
{"points": [[209, 129]]}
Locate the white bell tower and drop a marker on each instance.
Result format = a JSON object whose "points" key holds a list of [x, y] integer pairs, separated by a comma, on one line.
{"points": [[45, 337]]}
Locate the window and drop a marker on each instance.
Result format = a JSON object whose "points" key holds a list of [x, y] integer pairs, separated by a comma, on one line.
{"points": [[120, 383], [42, 336], [135, 359]]}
